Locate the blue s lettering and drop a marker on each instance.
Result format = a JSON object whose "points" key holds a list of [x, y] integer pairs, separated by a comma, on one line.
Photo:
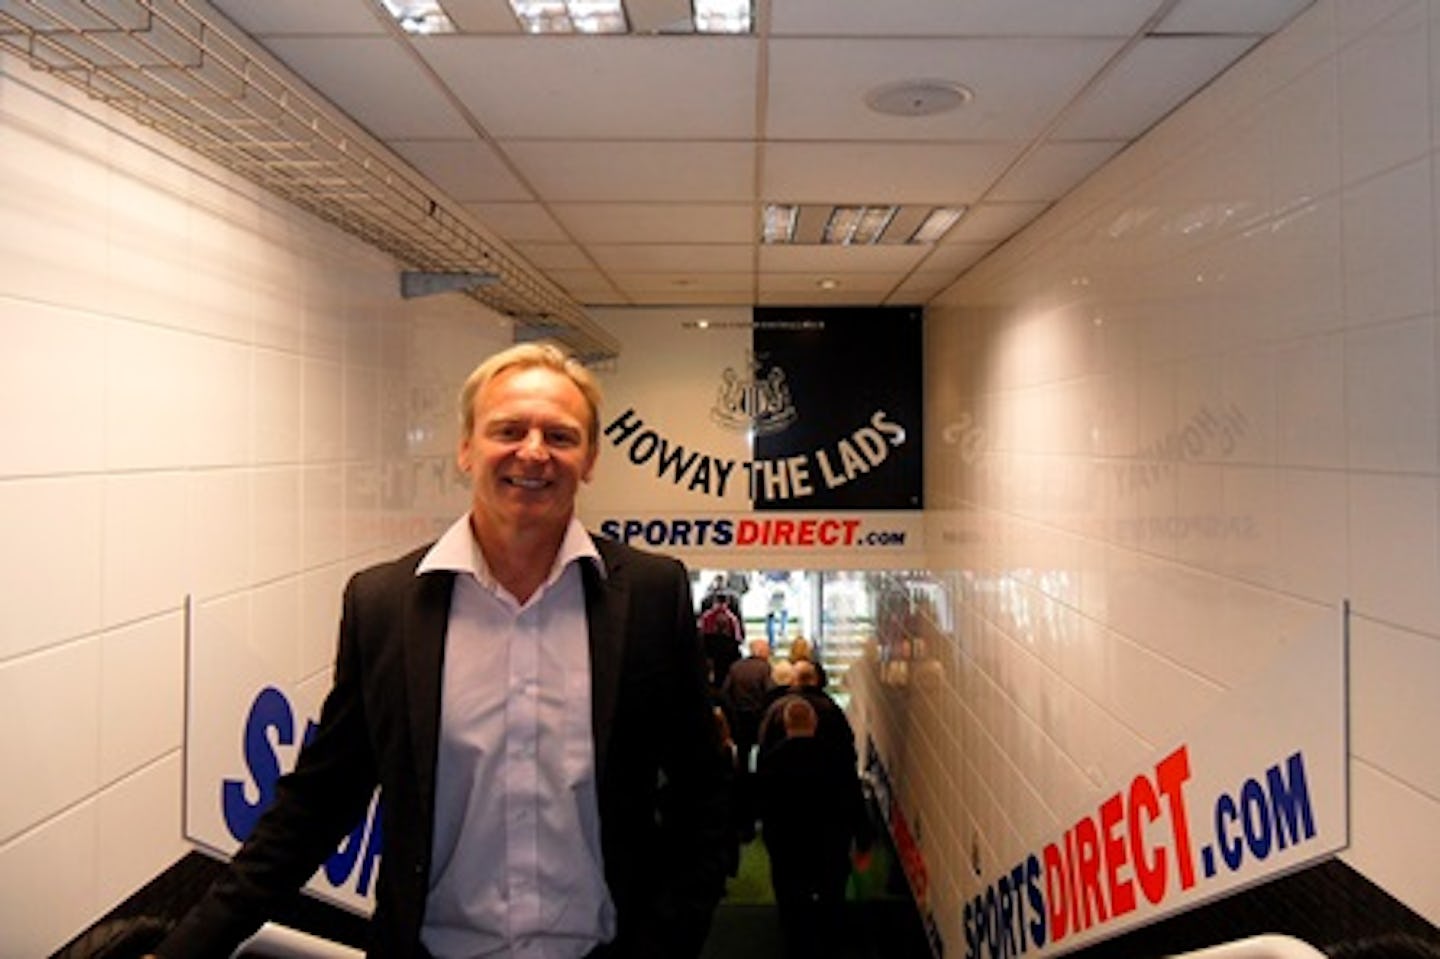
{"points": [[271, 710]]}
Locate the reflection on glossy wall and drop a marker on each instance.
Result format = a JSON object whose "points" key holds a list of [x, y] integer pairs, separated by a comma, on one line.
{"points": [[204, 392], [1177, 422]]}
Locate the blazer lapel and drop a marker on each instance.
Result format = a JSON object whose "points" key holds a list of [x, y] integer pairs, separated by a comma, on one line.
{"points": [[606, 601], [424, 649]]}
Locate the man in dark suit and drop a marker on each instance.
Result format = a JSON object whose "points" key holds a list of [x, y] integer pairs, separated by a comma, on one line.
{"points": [[812, 814], [518, 691]]}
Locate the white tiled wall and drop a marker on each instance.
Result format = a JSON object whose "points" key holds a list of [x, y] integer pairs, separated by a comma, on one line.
{"points": [[203, 392], [1177, 420]]}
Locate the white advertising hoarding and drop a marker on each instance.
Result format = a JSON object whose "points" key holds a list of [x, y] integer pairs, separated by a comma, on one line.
{"points": [[1258, 790], [245, 723]]}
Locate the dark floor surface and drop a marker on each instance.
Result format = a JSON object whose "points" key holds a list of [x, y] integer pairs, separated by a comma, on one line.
{"points": [[881, 921]]}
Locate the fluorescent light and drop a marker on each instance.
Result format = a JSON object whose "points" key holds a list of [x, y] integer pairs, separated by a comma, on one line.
{"points": [[842, 223], [419, 16], [779, 224], [609, 16], [543, 16], [598, 16], [570, 16], [873, 222], [940, 219], [722, 16], [857, 225]]}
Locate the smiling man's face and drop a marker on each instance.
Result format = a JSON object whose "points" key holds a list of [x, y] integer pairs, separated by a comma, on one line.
{"points": [[528, 452]]}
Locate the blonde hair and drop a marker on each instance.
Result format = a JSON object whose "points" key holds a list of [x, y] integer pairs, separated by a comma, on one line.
{"points": [[525, 356]]}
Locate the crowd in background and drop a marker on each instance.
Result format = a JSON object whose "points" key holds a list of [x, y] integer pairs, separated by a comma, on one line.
{"points": [[796, 781]]}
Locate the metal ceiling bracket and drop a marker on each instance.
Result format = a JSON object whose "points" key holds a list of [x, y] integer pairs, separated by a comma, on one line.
{"points": [[415, 283]]}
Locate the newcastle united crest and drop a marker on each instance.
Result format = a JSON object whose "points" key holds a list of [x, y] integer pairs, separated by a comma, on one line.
{"points": [[756, 401]]}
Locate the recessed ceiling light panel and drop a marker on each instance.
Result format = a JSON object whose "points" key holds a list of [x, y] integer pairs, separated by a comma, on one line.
{"points": [[421, 17], [937, 223], [809, 224], [723, 16], [570, 16], [779, 224], [610, 16]]}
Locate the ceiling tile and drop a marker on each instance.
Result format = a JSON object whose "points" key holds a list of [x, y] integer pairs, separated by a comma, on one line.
{"points": [[1231, 16], [684, 297], [468, 170], [799, 291], [954, 257], [879, 258], [683, 282], [817, 88], [518, 222], [330, 17], [1153, 78], [878, 18], [601, 87], [555, 256], [637, 170], [921, 287], [662, 258], [587, 286], [658, 222], [993, 221], [947, 173], [391, 97], [1054, 169]]}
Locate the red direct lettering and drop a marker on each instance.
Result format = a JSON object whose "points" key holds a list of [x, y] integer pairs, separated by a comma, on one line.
{"points": [[1055, 898], [1072, 880], [747, 532], [1151, 874], [1088, 852], [1122, 892], [1172, 772]]}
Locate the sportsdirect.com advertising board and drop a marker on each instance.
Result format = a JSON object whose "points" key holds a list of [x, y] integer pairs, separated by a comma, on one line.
{"points": [[1259, 789]]}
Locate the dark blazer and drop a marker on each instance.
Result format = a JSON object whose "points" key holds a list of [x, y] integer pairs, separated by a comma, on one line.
{"points": [[380, 726]]}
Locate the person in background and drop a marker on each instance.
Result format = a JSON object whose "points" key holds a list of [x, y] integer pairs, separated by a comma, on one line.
{"points": [[516, 690], [731, 758], [776, 616], [782, 677], [742, 697], [835, 730], [812, 812], [721, 634], [802, 648]]}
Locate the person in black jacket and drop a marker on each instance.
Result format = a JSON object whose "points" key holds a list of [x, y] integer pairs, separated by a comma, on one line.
{"points": [[812, 813], [517, 691], [834, 728]]}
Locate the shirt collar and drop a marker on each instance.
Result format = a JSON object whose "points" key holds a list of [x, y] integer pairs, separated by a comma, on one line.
{"points": [[457, 551]]}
